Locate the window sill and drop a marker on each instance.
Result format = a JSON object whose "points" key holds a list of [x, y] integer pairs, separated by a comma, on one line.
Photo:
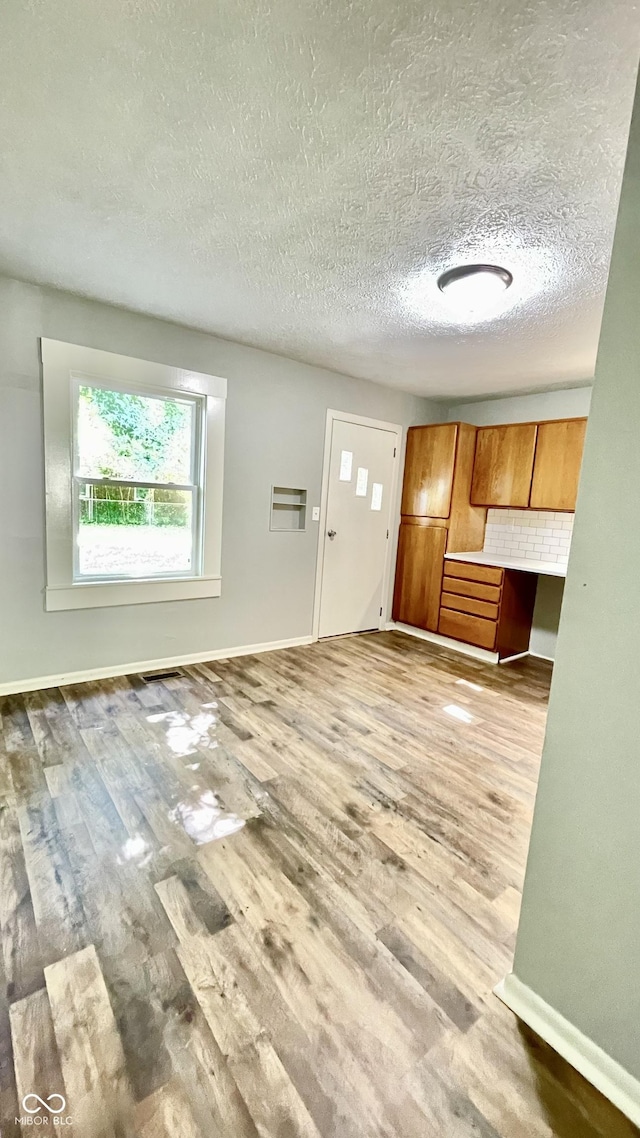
{"points": [[97, 595]]}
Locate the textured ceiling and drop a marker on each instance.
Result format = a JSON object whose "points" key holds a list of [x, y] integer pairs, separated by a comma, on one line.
{"points": [[296, 174]]}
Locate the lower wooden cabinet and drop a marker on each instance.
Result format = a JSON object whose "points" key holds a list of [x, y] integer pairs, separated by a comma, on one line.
{"points": [[487, 606], [472, 629], [421, 549]]}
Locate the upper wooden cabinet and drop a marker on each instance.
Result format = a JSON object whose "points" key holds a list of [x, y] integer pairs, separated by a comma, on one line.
{"points": [[428, 470], [556, 469], [503, 465]]}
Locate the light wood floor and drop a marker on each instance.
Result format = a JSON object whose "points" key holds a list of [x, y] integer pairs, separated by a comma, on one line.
{"points": [[272, 897]]}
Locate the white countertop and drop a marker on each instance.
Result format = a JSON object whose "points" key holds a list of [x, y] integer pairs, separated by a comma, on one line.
{"points": [[527, 564]]}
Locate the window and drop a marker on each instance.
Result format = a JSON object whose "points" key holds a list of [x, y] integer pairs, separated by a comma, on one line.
{"points": [[137, 485], [134, 479]]}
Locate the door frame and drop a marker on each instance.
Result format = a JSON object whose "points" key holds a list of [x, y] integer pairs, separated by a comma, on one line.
{"points": [[358, 421]]}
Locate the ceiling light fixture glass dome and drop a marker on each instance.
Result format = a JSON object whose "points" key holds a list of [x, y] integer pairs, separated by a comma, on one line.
{"points": [[475, 289]]}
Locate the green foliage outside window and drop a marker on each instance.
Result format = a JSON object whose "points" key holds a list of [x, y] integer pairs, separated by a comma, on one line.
{"points": [[127, 436], [116, 506]]}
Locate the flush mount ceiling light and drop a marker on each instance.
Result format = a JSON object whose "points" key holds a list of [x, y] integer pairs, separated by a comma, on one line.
{"points": [[475, 289]]}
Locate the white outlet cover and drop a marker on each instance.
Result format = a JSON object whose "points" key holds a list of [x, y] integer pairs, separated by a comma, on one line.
{"points": [[315, 514]]}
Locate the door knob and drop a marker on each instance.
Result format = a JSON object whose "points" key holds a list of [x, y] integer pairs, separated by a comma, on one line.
{"points": [[331, 533]]}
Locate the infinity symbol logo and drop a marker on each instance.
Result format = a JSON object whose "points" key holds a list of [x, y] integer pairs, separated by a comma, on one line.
{"points": [[47, 1105]]}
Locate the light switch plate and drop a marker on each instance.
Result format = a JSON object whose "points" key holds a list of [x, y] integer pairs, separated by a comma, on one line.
{"points": [[315, 514]]}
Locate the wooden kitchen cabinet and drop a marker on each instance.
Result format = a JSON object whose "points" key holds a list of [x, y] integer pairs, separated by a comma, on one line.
{"points": [[428, 470], [556, 468], [470, 571], [437, 516], [456, 471], [471, 629], [421, 549], [498, 619], [503, 465], [437, 482]]}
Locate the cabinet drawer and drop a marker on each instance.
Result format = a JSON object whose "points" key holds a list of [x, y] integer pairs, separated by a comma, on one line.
{"points": [[488, 574], [470, 605], [471, 589], [472, 629]]}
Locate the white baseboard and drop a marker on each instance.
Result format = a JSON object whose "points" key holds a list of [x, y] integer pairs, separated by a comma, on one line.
{"points": [[613, 1080], [167, 662], [444, 641], [460, 646]]}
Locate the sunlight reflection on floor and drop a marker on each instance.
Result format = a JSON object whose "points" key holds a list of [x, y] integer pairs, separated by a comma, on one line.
{"points": [[204, 820], [136, 849], [201, 814], [185, 733]]}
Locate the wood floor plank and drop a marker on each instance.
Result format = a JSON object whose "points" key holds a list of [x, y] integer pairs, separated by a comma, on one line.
{"points": [[216, 1103], [250, 1054], [10, 1106], [271, 897], [166, 1113], [20, 946], [318, 974], [91, 1055], [36, 1059], [60, 918]]}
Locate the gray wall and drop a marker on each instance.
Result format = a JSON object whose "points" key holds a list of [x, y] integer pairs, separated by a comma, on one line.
{"points": [[566, 403], [570, 402], [546, 617], [275, 434], [579, 940]]}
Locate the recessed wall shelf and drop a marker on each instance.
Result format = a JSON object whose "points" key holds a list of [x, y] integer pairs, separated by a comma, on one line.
{"points": [[288, 508]]}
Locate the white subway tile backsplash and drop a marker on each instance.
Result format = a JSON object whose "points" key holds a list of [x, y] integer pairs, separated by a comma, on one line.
{"points": [[538, 535]]}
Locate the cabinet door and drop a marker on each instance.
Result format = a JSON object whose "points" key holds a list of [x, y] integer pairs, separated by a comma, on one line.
{"points": [[556, 469], [419, 569], [428, 470], [503, 465]]}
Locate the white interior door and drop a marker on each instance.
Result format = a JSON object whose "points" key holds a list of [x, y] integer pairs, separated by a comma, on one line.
{"points": [[356, 534]]}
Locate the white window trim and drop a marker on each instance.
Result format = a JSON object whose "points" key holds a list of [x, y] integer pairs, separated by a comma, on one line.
{"points": [[62, 365]]}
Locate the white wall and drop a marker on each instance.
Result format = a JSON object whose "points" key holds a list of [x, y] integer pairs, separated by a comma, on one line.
{"points": [[571, 402], [567, 403], [275, 434], [579, 939]]}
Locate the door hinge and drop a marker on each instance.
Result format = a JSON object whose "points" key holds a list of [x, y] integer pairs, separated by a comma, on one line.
{"points": [[387, 535], [394, 452], [380, 612]]}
